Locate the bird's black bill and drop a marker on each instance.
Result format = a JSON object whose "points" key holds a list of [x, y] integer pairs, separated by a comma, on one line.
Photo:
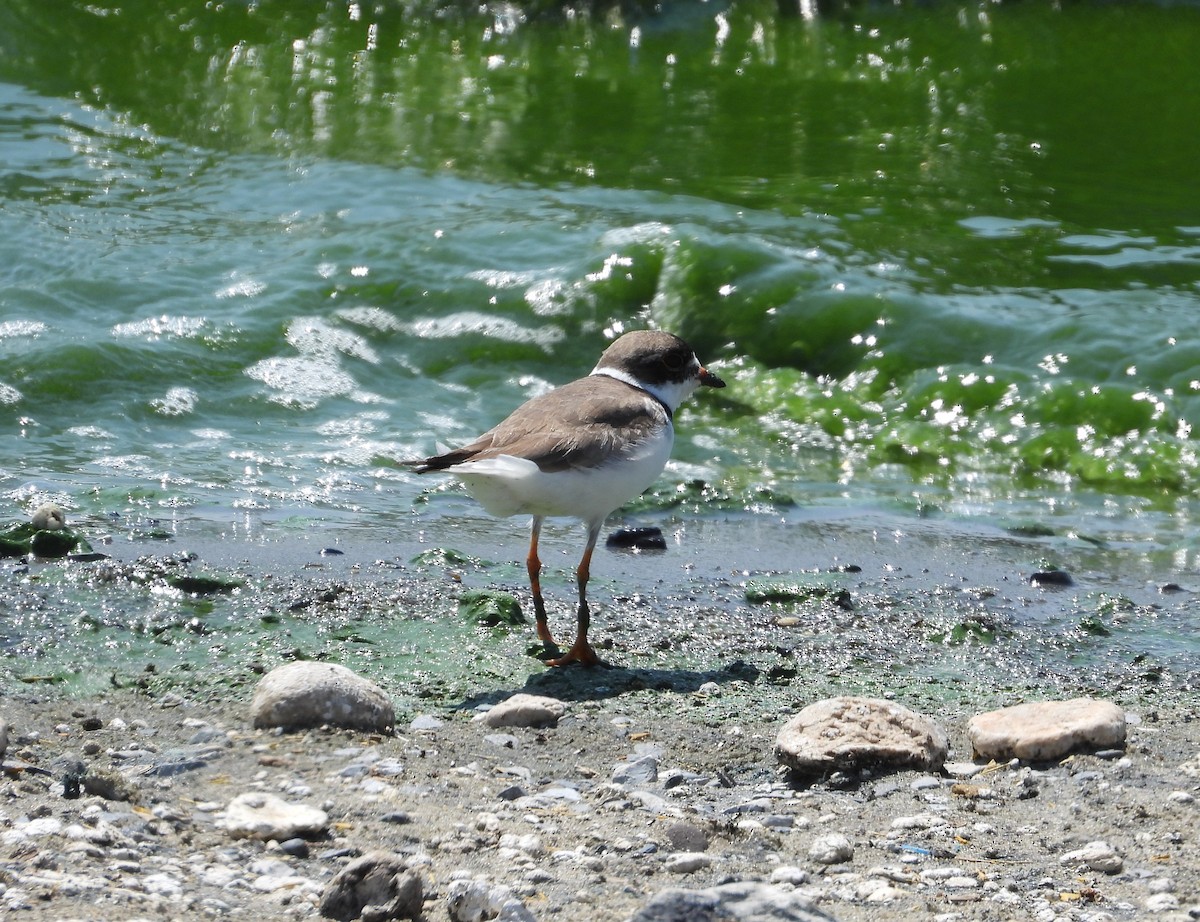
{"points": [[708, 379]]}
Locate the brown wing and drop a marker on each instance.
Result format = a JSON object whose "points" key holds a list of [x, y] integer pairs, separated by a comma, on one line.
{"points": [[568, 428]]}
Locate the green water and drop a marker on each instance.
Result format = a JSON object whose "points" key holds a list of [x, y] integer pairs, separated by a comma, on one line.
{"points": [[947, 257]]}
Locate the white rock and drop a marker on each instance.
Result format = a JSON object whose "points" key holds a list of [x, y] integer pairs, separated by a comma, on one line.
{"points": [[524, 710], [919, 821], [744, 901], [848, 732], [271, 883], [1162, 902], [880, 891], [1099, 856], [832, 848], [42, 826], [256, 815], [1039, 731], [789, 874], [528, 844], [49, 517], [163, 885], [305, 694], [477, 901], [962, 769], [687, 862]]}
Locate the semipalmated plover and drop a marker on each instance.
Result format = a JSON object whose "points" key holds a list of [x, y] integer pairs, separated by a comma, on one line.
{"points": [[582, 450]]}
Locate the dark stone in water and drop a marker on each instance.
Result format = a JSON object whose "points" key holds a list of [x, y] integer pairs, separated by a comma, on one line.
{"points": [[641, 539], [331, 552], [202, 585], [1051, 578], [87, 558]]}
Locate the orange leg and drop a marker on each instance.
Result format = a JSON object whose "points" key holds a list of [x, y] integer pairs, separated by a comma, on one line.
{"points": [[581, 651], [533, 565]]}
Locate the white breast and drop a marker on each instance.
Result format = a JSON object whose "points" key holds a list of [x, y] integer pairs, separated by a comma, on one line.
{"points": [[507, 485]]}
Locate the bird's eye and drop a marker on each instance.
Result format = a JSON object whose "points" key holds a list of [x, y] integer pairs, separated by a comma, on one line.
{"points": [[673, 360]]}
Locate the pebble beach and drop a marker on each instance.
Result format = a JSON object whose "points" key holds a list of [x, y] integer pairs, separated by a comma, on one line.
{"points": [[122, 806]]}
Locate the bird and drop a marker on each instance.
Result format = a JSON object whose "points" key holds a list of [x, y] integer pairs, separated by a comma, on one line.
{"points": [[581, 450]]}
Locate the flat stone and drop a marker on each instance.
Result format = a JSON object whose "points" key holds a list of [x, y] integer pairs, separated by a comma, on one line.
{"points": [[962, 769], [302, 695], [848, 732], [636, 771], [743, 901], [1039, 731], [524, 710], [1098, 856], [256, 815], [376, 886], [687, 862]]}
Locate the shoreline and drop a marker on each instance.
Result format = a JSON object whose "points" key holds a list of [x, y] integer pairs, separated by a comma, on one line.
{"points": [[941, 612]]}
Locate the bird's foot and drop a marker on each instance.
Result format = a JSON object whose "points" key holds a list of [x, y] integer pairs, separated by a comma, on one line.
{"points": [[580, 652]]}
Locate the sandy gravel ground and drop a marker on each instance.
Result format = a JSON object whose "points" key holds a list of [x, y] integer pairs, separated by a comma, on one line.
{"points": [[537, 810]]}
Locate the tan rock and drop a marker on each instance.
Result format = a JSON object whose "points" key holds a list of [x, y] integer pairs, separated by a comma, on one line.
{"points": [[524, 710], [304, 694], [848, 732], [1041, 730]]}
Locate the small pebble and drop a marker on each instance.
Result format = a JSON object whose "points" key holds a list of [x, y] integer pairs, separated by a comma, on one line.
{"points": [[295, 847]]}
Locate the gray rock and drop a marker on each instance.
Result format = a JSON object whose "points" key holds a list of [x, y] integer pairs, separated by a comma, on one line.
{"points": [[636, 771], [524, 710], [847, 733], [256, 815], [503, 740], [304, 694], [1039, 731], [685, 837], [374, 888], [744, 901]]}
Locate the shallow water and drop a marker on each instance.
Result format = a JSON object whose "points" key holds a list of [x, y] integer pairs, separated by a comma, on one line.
{"points": [[946, 258]]}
